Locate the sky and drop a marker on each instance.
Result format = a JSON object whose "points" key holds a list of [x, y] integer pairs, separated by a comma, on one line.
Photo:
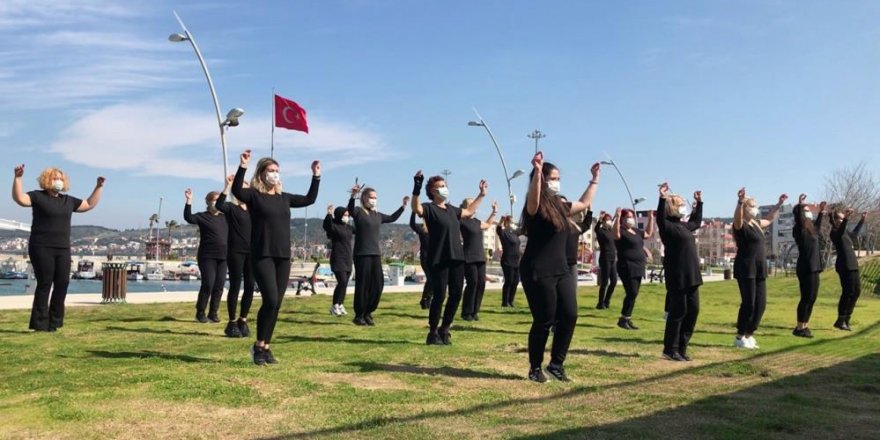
{"points": [[709, 95]]}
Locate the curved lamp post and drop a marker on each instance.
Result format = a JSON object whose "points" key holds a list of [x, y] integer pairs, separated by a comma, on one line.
{"points": [[632, 201], [233, 115], [481, 123]]}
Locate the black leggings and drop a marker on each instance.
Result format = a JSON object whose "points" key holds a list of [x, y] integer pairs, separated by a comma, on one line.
{"points": [[428, 289], [809, 284], [52, 269], [272, 276], [684, 307], [213, 277], [851, 289], [368, 284], [553, 302], [754, 301], [449, 275], [475, 286], [511, 281], [342, 277], [631, 286], [607, 282], [240, 265]]}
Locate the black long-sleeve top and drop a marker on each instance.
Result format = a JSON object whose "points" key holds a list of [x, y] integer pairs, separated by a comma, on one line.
{"points": [[213, 232], [366, 228], [510, 252], [472, 240], [631, 258], [843, 243], [751, 256], [809, 255], [51, 219], [607, 250], [423, 237], [444, 235], [680, 260], [571, 245], [545, 250], [239, 238], [340, 236], [270, 216]]}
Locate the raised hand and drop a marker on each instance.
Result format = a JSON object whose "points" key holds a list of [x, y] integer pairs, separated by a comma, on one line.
{"points": [[330, 209], [652, 213], [316, 168], [663, 189], [484, 187], [595, 170], [418, 181], [188, 194], [356, 189], [405, 200], [538, 161], [19, 170], [848, 212], [864, 216], [741, 194], [698, 196], [617, 212], [244, 158], [100, 182], [801, 199], [494, 206], [229, 179], [782, 199]]}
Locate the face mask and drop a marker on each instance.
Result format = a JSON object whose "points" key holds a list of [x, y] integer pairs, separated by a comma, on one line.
{"points": [[58, 185], [212, 204], [345, 218], [372, 203], [608, 223], [631, 222], [753, 212], [554, 186], [682, 211], [442, 193], [273, 178], [808, 215]]}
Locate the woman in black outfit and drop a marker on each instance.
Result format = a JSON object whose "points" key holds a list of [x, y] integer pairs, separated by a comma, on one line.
{"points": [[474, 261], [750, 266], [632, 258], [422, 232], [340, 234], [682, 270], [49, 242], [510, 255], [369, 280], [546, 274], [846, 265], [445, 251], [270, 240], [607, 258], [238, 260], [809, 263], [213, 233]]}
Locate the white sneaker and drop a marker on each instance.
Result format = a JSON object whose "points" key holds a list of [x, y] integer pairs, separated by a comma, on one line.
{"points": [[740, 343], [334, 310], [753, 343], [342, 309]]}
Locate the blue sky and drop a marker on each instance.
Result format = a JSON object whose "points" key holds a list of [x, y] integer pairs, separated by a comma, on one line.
{"points": [[771, 95]]}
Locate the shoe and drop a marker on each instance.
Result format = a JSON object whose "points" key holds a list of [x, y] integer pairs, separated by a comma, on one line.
{"points": [[333, 310], [536, 375], [607, 305], [623, 323], [740, 343], [267, 354], [213, 318], [445, 337], [433, 339], [558, 372], [232, 330], [243, 329], [467, 318], [807, 333], [752, 342], [847, 322], [424, 303], [52, 329], [359, 320], [476, 316], [200, 317], [673, 357], [600, 306], [798, 332], [369, 320], [342, 309], [258, 355], [841, 324], [685, 357], [629, 322]]}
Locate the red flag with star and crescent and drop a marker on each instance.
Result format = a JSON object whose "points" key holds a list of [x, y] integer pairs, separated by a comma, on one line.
{"points": [[290, 115]]}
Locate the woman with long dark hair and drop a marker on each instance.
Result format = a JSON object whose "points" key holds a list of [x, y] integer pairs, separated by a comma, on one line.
{"points": [[682, 269], [604, 231], [340, 234], [213, 236], [238, 261], [631, 260], [270, 207], [445, 251], [846, 265], [49, 242], [474, 261], [546, 274], [510, 255], [422, 232], [809, 262]]}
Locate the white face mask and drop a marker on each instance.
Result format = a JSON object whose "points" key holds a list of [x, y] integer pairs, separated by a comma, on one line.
{"points": [[442, 193], [808, 215], [631, 222], [608, 223], [273, 178], [58, 185], [372, 203], [682, 211], [554, 186], [753, 212]]}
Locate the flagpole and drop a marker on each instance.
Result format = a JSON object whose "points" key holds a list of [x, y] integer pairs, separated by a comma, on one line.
{"points": [[272, 148]]}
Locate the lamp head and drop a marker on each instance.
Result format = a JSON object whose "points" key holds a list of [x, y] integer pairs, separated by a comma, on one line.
{"points": [[232, 117], [475, 124], [516, 174], [607, 162], [176, 38], [638, 200]]}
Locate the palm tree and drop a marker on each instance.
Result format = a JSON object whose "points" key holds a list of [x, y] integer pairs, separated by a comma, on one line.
{"points": [[153, 219], [171, 225]]}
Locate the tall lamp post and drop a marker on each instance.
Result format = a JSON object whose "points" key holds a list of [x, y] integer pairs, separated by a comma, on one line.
{"points": [[536, 135], [233, 115], [481, 123], [632, 201]]}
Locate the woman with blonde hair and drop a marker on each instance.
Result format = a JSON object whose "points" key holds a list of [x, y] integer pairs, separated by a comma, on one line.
{"points": [[49, 242], [750, 265], [269, 208], [474, 261], [211, 256]]}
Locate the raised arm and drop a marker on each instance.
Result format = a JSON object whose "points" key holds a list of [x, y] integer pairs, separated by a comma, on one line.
{"points": [[187, 209], [298, 201], [740, 209], [475, 205], [90, 203], [533, 198], [412, 222], [238, 189], [587, 197], [491, 220], [617, 224], [588, 220], [817, 223], [396, 215], [18, 195], [696, 219], [650, 231], [661, 208], [328, 221], [418, 181], [221, 204], [858, 228], [797, 212], [768, 220]]}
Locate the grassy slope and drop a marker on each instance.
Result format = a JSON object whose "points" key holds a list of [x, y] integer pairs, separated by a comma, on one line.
{"points": [[149, 371]]}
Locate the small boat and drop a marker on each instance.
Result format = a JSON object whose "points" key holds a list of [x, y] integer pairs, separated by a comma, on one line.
{"points": [[188, 276], [134, 271], [154, 272], [85, 270], [13, 275]]}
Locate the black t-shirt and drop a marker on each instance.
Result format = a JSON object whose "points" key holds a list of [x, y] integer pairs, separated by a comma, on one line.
{"points": [[809, 260], [574, 237], [213, 232], [751, 257], [270, 216], [843, 243], [472, 240], [366, 228], [340, 235], [510, 252], [444, 235], [681, 262], [545, 254], [239, 221], [631, 258], [51, 219], [607, 249]]}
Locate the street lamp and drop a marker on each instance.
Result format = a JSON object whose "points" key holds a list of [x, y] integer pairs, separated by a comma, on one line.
{"points": [[633, 201], [481, 123], [233, 115]]}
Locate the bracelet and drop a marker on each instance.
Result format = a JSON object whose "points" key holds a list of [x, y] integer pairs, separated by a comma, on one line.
{"points": [[594, 182]]}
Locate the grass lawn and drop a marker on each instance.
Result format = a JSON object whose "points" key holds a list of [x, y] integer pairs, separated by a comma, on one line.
{"points": [[150, 371]]}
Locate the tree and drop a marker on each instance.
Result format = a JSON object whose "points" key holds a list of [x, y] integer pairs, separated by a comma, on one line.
{"points": [[858, 188]]}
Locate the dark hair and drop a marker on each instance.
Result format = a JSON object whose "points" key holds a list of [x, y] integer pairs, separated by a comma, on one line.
{"points": [[430, 184], [552, 207], [625, 212], [211, 195]]}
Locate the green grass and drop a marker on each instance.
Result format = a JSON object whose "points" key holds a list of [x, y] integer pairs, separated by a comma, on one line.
{"points": [[150, 371]]}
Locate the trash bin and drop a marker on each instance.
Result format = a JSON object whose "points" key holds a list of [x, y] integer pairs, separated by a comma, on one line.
{"points": [[727, 274], [115, 282], [396, 271]]}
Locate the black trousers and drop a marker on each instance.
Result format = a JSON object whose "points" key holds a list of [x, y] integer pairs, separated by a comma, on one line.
{"points": [[553, 302], [511, 281], [809, 284], [850, 290], [428, 289], [272, 275], [447, 275], [240, 267], [684, 307], [475, 286], [753, 292], [607, 281], [342, 277], [52, 269], [213, 277], [631, 286], [368, 284]]}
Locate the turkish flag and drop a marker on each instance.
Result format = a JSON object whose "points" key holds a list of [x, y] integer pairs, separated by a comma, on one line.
{"points": [[290, 115]]}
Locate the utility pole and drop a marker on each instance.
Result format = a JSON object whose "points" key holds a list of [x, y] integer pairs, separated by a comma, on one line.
{"points": [[536, 135], [446, 174]]}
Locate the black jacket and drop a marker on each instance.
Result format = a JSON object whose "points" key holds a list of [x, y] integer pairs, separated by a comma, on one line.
{"points": [[340, 235], [843, 243], [809, 254], [680, 260]]}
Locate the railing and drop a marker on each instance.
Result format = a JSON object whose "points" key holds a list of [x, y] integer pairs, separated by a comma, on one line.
{"points": [[12, 225]]}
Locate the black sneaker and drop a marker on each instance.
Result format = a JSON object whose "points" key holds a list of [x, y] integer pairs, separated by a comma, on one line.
{"points": [[359, 320], [476, 317], [607, 305], [433, 339], [267, 354], [232, 330], [841, 324], [467, 318], [629, 322], [622, 323], [424, 303], [536, 375], [243, 329], [808, 333], [673, 357], [558, 372], [600, 306], [445, 337], [685, 357], [213, 318], [258, 355], [369, 320], [200, 317]]}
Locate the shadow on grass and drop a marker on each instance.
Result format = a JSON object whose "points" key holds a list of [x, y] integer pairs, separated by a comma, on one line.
{"points": [[161, 332], [142, 319], [336, 321], [461, 328], [342, 340], [576, 391], [147, 355], [463, 373], [587, 352], [16, 332], [380, 314]]}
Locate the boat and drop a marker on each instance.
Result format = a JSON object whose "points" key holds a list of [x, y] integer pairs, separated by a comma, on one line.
{"points": [[134, 271], [154, 272], [188, 276], [13, 275], [85, 270]]}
